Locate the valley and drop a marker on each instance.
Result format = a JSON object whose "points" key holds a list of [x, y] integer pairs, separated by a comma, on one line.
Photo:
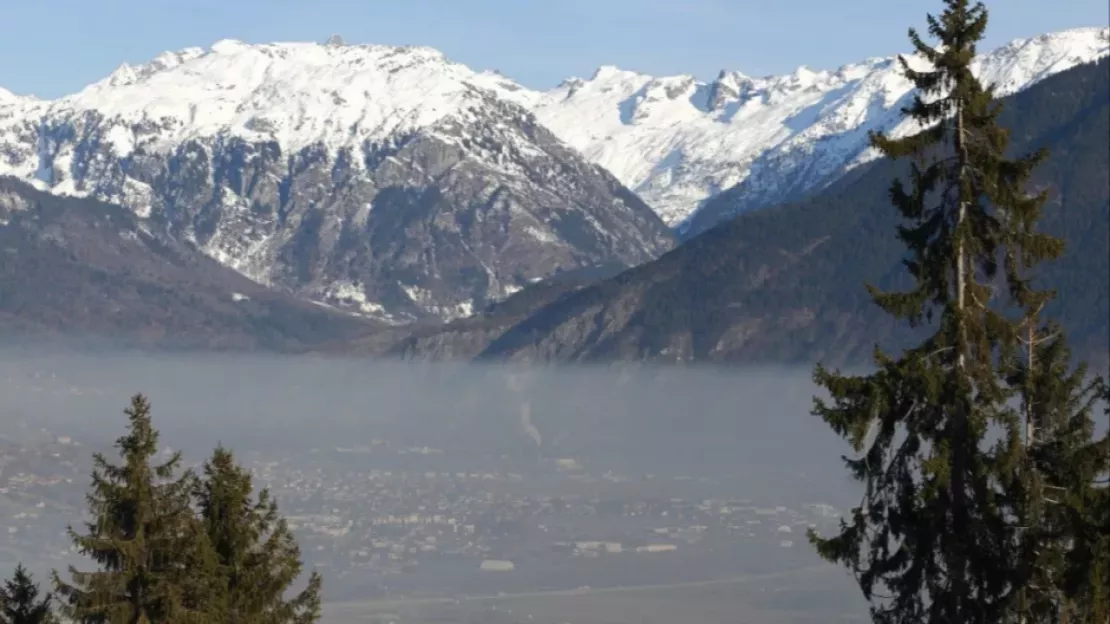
{"points": [[399, 339], [407, 481]]}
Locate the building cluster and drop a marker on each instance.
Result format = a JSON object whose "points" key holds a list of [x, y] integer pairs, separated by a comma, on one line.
{"points": [[42, 482], [393, 520], [356, 520]]}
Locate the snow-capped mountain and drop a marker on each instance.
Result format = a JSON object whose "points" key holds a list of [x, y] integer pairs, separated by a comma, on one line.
{"points": [[784, 285], [385, 179], [295, 94], [395, 182], [678, 141]]}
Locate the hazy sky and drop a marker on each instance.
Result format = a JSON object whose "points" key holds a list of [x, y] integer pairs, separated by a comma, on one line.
{"points": [[53, 47]]}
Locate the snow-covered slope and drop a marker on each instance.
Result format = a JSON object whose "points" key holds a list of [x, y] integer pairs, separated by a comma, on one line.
{"points": [[677, 141], [396, 181], [296, 94], [385, 179]]}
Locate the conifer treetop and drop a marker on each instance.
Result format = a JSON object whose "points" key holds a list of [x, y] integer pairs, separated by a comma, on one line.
{"points": [[257, 556], [20, 602], [141, 534], [934, 536]]}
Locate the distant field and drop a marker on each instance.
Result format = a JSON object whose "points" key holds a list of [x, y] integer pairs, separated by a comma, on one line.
{"points": [[819, 594]]}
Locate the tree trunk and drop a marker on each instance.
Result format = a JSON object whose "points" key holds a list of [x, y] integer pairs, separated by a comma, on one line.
{"points": [[961, 261], [959, 428]]}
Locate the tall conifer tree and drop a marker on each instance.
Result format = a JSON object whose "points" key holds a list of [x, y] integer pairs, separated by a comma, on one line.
{"points": [[20, 602], [934, 539], [257, 556], [142, 535]]}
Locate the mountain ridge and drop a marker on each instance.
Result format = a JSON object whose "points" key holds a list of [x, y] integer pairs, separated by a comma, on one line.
{"points": [[765, 140], [625, 121], [428, 198], [392, 182], [786, 285]]}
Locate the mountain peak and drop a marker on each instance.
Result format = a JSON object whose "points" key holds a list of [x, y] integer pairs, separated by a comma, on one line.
{"points": [[123, 75], [611, 71], [731, 77], [776, 135], [228, 46], [263, 155], [7, 96], [297, 93]]}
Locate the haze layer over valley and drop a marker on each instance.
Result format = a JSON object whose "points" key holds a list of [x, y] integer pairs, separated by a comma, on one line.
{"points": [[434, 347], [402, 478]]}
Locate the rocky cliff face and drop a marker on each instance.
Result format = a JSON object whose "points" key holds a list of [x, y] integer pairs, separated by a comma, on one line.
{"points": [[391, 182]]}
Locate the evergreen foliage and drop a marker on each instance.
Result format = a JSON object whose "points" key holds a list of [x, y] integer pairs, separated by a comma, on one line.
{"points": [[953, 528], [229, 558], [257, 557], [1054, 493], [20, 602], [1087, 568], [147, 545]]}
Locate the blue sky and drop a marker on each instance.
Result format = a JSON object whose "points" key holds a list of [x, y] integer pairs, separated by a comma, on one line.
{"points": [[53, 47]]}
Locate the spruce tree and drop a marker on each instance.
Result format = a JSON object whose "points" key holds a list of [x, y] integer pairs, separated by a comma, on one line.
{"points": [[935, 536], [142, 535], [20, 602], [1054, 492], [257, 556]]}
